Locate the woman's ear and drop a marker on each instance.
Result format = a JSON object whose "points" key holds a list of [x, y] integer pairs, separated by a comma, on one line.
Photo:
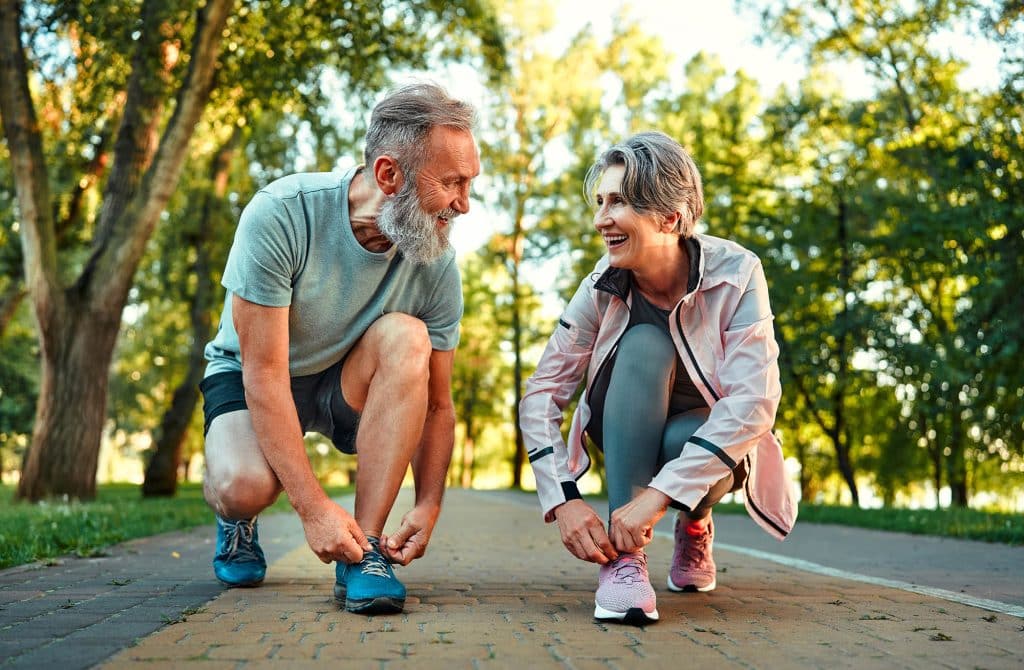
{"points": [[388, 174], [670, 222]]}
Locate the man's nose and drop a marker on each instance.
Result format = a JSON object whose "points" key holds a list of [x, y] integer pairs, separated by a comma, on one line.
{"points": [[461, 203]]}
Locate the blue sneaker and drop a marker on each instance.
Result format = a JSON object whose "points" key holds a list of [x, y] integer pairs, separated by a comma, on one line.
{"points": [[369, 586], [239, 561]]}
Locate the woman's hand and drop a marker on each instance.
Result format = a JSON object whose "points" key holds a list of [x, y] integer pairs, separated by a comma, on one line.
{"points": [[583, 532], [632, 525]]}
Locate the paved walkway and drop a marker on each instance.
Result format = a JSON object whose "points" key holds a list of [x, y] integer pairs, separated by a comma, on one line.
{"points": [[496, 590]]}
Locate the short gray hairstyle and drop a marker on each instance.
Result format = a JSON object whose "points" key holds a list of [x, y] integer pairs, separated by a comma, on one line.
{"points": [[660, 178], [400, 123]]}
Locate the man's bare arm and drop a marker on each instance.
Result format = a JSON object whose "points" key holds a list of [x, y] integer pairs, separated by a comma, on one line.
{"points": [[429, 464], [263, 340]]}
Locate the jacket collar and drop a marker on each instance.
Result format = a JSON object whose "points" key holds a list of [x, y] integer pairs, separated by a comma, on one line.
{"points": [[617, 281]]}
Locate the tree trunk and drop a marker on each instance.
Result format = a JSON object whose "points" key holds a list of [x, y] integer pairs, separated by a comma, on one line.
{"points": [[71, 407], [519, 457], [957, 463], [934, 456], [161, 477], [78, 326], [465, 478], [468, 462], [838, 433], [846, 467], [805, 475]]}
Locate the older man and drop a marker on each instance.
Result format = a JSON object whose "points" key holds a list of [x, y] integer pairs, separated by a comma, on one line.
{"points": [[341, 317]]}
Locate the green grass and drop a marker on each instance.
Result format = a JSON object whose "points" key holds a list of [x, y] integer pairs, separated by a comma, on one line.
{"points": [[32, 532], [965, 524]]}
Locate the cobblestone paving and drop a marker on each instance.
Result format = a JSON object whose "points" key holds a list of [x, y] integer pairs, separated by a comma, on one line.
{"points": [[497, 590]]}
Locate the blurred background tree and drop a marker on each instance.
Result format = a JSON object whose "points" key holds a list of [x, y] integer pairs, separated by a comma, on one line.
{"points": [[890, 220]]}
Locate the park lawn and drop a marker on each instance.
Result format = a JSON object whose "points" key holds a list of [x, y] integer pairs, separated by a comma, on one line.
{"points": [[46, 530]]}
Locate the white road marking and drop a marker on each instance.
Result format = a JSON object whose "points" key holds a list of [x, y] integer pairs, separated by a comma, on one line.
{"points": [[808, 566]]}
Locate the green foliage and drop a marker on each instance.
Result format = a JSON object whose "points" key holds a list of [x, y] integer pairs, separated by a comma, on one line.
{"points": [[890, 226], [283, 68], [18, 391], [923, 313]]}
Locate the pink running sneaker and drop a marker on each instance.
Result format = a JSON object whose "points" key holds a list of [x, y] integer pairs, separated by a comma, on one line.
{"points": [[693, 567], [624, 591]]}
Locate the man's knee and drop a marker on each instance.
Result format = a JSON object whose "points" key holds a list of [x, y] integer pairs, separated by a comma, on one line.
{"points": [[404, 343], [241, 491]]}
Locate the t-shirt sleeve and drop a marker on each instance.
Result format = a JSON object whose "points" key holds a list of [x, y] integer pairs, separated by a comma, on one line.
{"points": [[264, 256], [444, 309]]}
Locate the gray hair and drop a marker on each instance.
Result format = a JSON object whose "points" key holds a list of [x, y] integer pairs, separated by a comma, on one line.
{"points": [[660, 178], [400, 123]]}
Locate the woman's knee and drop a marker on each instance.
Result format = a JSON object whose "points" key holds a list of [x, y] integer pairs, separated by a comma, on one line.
{"points": [[645, 359], [647, 342]]}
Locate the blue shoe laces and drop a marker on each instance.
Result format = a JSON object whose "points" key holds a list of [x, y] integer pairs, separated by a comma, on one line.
{"points": [[238, 539]]}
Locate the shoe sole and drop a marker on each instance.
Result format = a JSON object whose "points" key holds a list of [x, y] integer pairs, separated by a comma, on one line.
{"points": [[381, 605], [691, 588], [634, 616], [246, 585]]}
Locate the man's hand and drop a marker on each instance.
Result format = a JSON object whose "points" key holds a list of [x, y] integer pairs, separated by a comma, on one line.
{"points": [[583, 532], [409, 542], [333, 534], [632, 525]]}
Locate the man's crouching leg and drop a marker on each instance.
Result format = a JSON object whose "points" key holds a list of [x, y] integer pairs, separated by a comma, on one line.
{"points": [[238, 485], [385, 378]]}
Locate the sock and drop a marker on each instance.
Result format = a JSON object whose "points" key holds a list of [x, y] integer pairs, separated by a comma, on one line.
{"points": [[696, 527]]}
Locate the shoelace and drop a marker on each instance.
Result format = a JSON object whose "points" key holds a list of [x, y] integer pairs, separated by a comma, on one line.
{"points": [[373, 563], [239, 536], [631, 568]]}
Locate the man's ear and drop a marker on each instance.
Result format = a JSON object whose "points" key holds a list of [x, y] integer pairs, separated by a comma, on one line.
{"points": [[388, 174]]}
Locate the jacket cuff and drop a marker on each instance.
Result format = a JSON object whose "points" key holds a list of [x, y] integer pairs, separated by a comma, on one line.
{"points": [[569, 492], [678, 491]]}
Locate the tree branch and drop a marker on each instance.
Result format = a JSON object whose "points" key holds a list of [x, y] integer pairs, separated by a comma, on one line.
{"points": [[25, 144], [134, 225], [800, 386]]}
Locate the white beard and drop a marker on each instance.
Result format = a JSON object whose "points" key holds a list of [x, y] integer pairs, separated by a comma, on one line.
{"points": [[413, 230]]}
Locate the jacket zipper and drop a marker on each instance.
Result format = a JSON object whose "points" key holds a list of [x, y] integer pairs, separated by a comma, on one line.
{"points": [[689, 351], [600, 368]]}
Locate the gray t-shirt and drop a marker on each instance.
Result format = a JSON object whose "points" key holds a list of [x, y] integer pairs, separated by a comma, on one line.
{"points": [[294, 247]]}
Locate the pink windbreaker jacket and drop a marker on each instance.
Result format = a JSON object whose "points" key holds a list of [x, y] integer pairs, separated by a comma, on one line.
{"points": [[734, 369]]}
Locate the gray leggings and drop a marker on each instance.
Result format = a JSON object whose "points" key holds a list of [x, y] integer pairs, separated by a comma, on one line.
{"points": [[637, 439]]}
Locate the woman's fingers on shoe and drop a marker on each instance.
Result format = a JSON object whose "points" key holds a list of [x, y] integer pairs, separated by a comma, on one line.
{"points": [[604, 544]]}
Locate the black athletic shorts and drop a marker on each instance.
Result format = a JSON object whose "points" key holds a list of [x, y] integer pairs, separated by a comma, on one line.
{"points": [[318, 400]]}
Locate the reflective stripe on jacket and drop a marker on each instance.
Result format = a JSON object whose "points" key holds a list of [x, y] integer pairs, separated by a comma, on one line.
{"points": [[735, 370]]}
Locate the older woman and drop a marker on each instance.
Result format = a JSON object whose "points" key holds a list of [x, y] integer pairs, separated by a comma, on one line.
{"points": [[673, 332]]}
